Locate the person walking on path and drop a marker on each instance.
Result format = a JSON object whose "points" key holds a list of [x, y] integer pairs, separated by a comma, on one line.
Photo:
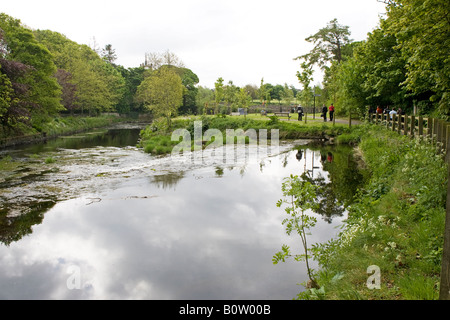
{"points": [[300, 112], [324, 113], [331, 110]]}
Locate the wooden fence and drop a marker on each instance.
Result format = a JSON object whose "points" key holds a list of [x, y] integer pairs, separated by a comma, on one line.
{"points": [[437, 131], [434, 129]]}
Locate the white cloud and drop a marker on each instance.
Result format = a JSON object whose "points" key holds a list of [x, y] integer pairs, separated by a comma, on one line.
{"points": [[241, 41]]}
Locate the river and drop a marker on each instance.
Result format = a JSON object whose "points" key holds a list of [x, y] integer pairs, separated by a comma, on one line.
{"points": [[91, 216]]}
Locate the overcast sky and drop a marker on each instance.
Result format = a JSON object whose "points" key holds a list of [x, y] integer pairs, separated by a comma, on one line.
{"points": [[238, 40]]}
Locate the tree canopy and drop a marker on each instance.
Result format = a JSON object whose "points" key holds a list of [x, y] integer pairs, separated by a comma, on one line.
{"points": [[404, 61]]}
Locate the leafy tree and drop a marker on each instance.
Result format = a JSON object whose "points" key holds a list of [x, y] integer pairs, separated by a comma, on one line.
{"points": [[328, 44], [243, 100], [218, 92], [99, 85], [204, 98], [161, 92], [300, 196], [189, 80], [287, 94], [132, 79], [262, 92], [423, 32], [26, 75], [68, 96], [230, 93], [109, 54], [305, 77], [277, 92]]}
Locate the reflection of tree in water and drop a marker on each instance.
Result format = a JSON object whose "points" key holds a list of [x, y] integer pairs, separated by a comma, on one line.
{"points": [[343, 174], [169, 180], [15, 227], [329, 206]]}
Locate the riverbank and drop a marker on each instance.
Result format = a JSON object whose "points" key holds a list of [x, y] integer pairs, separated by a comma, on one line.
{"points": [[156, 138], [56, 127], [391, 245]]}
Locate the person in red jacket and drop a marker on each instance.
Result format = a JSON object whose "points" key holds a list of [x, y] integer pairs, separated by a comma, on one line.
{"points": [[331, 111]]}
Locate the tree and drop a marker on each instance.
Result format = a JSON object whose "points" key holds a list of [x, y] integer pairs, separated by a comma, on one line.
{"points": [[161, 92], [243, 100], [204, 98], [109, 54], [277, 92], [330, 49], [423, 32], [189, 80], [287, 94], [68, 96], [218, 92], [300, 196], [230, 93], [262, 92], [154, 60], [133, 78], [305, 78], [99, 85], [31, 91], [328, 44]]}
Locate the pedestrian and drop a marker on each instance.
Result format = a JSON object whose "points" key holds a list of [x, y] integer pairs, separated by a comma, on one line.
{"points": [[331, 110], [379, 110], [300, 112], [392, 112], [324, 113]]}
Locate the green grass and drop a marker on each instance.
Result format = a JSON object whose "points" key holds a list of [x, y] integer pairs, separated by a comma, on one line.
{"points": [[396, 223]]}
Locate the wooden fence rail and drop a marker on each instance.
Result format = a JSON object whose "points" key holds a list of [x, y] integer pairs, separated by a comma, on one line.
{"points": [[437, 131]]}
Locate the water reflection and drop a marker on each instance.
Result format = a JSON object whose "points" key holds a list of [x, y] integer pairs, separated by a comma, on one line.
{"points": [[162, 230]]}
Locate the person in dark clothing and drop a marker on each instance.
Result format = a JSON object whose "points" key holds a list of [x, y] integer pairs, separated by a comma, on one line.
{"points": [[324, 113], [300, 113]]}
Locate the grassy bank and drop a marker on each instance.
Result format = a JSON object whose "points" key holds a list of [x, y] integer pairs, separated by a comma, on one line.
{"points": [[395, 223], [156, 138], [56, 127]]}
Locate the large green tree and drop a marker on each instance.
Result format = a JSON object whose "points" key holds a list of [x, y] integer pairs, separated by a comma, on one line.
{"points": [[422, 29], [29, 89], [161, 92], [99, 86]]}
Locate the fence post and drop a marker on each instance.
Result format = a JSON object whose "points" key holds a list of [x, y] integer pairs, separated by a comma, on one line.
{"points": [[420, 126], [444, 293], [413, 125], [405, 130]]}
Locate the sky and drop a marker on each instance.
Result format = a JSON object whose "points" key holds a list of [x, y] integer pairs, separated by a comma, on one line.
{"points": [[239, 40]]}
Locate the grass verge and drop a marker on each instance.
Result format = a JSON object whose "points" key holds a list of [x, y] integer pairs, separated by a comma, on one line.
{"points": [[395, 223]]}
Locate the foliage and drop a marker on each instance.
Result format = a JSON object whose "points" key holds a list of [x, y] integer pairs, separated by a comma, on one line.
{"points": [[98, 86], [403, 62], [161, 92], [395, 222], [30, 93], [423, 32], [329, 45], [300, 197]]}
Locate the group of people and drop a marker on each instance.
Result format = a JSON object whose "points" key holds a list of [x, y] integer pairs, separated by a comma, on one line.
{"points": [[325, 110], [387, 110]]}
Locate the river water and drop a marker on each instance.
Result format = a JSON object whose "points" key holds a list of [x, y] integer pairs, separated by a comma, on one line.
{"points": [[91, 216]]}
